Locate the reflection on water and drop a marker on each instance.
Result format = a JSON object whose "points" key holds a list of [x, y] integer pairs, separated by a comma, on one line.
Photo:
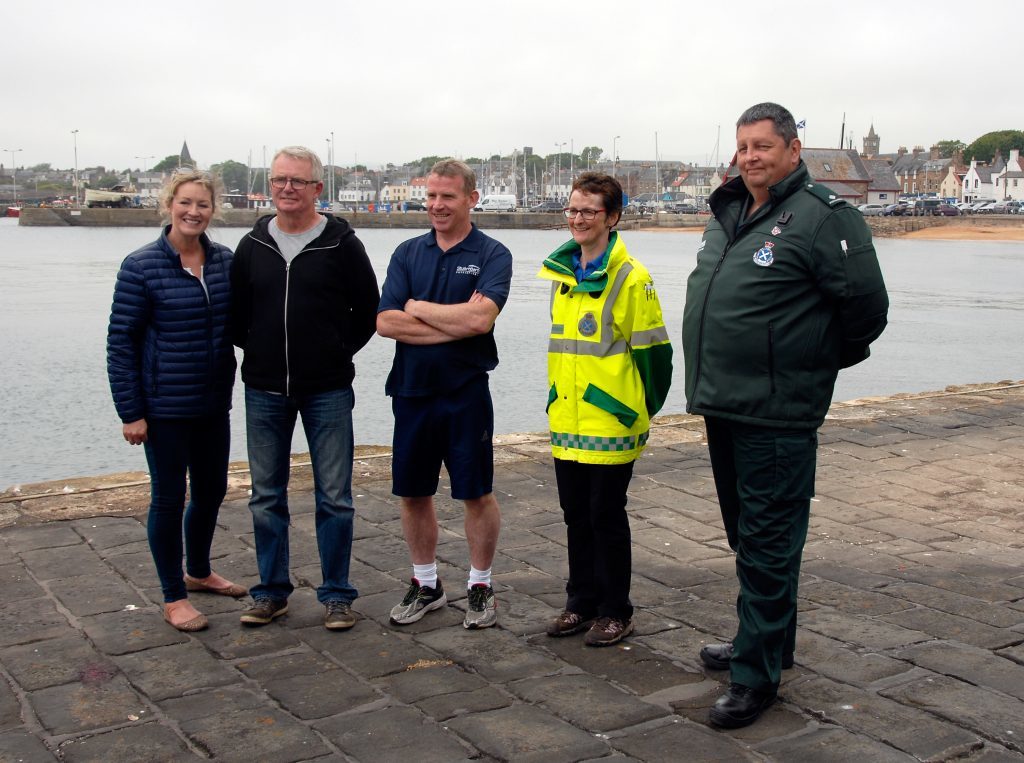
{"points": [[955, 319]]}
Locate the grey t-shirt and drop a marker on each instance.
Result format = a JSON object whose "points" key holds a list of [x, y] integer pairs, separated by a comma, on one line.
{"points": [[291, 244]]}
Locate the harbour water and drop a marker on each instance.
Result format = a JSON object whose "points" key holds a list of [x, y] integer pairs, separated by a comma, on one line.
{"points": [[956, 316]]}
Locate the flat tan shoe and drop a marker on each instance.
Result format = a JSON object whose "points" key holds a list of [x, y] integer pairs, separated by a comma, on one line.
{"points": [[197, 623], [231, 589]]}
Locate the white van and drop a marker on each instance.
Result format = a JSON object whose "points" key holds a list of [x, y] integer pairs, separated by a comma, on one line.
{"points": [[497, 203]]}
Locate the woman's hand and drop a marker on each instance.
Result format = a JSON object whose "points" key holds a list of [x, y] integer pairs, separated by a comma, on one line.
{"points": [[135, 432]]}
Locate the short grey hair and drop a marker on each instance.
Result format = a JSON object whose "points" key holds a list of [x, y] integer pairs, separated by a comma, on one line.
{"points": [[782, 120], [303, 154], [453, 168]]}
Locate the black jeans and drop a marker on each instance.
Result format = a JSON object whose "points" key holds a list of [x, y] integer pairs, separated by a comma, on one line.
{"points": [[765, 481], [175, 447], [593, 501]]}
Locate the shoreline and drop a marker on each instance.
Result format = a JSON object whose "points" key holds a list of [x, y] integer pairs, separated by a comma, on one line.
{"points": [[127, 493]]}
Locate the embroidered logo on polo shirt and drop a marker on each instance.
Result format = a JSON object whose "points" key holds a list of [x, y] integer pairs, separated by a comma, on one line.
{"points": [[467, 270]]}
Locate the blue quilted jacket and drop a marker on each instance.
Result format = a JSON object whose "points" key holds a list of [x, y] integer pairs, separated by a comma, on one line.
{"points": [[169, 351]]}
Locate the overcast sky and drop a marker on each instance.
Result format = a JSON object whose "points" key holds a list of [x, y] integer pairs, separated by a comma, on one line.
{"points": [[395, 81]]}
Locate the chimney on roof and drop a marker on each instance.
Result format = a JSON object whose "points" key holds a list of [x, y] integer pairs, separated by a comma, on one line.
{"points": [[901, 151], [934, 153], [918, 150]]}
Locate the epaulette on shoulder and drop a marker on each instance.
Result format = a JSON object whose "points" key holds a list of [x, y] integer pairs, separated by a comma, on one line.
{"points": [[825, 194]]}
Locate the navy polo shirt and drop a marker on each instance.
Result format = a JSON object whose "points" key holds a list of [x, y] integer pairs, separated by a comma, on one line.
{"points": [[420, 270]]}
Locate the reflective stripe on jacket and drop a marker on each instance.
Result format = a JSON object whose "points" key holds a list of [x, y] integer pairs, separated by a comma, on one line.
{"points": [[609, 357]]}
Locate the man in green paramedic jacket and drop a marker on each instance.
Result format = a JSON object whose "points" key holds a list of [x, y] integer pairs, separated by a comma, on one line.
{"points": [[787, 290]]}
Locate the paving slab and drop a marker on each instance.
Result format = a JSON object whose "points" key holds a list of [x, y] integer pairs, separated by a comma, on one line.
{"points": [[172, 671], [833, 745], [130, 631], [234, 724], [682, 740], [151, 742], [906, 728], [94, 704], [55, 661], [527, 733], [28, 620], [21, 747], [587, 701], [395, 735]]}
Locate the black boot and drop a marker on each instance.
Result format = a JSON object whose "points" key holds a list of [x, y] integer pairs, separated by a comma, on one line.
{"points": [[739, 706], [717, 656]]}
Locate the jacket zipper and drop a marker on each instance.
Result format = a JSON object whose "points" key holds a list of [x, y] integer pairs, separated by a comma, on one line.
{"points": [[703, 315], [287, 286], [771, 356]]}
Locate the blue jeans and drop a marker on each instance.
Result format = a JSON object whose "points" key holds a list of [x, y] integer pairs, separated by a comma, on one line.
{"points": [[199, 448], [327, 421]]}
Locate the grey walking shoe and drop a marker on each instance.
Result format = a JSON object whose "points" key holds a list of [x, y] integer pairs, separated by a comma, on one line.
{"points": [[339, 616], [419, 600], [482, 611]]}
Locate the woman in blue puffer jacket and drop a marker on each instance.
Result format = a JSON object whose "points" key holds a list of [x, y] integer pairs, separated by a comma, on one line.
{"points": [[171, 366]]}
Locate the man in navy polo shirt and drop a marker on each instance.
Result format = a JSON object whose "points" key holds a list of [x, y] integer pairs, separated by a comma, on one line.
{"points": [[440, 299]]}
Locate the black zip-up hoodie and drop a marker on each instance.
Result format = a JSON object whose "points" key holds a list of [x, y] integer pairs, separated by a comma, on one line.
{"points": [[300, 323]]}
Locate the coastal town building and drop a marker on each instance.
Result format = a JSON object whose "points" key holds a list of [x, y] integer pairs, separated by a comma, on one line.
{"points": [[1008, 183], [977, 182]]}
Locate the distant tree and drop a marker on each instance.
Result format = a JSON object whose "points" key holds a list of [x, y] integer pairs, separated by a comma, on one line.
{"points": [[590, 155], [106, 181], [234, 175], [985, 147], [44, 167], [421, 165], [473, 160], [167, 164], [949, 147]]}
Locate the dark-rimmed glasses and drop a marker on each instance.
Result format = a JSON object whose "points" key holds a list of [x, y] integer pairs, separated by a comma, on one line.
{"points": [[588, 214], [297, 183]]}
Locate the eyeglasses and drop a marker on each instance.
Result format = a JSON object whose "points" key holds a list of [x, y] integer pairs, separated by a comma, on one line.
{"points": [[297, 183], [588, 214]]}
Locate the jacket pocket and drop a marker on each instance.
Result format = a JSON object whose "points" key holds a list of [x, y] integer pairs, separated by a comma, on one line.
{"points": [[552, 396], [601, 399]]}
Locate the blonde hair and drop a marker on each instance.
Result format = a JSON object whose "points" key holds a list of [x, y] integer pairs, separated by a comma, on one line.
{"points": [[210, 182]]}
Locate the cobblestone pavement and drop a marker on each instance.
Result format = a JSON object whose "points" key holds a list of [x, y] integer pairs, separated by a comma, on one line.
{"points": [[911, 641]]}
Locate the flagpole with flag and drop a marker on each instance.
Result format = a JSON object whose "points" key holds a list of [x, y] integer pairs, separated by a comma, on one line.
{"points": [[802, 125]]}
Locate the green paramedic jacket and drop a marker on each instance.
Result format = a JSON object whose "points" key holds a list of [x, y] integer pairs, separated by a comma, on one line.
{"points": [[777, 305], [609, 357]]}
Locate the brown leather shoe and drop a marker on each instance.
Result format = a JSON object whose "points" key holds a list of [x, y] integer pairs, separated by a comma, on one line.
{"points": [[197, 623]]}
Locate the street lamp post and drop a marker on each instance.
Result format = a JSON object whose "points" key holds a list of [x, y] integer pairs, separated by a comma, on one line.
{"points": [[615, 155], [558, 166], [74, 133], [14, 173]]}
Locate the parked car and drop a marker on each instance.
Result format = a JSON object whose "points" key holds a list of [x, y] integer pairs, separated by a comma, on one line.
{"points": [[1005, 207], [926, 206], [946, 210], [414, 205], [871, 210], [895, 210], [547, 206], [984, 208], [964, 207], [681, 209]]}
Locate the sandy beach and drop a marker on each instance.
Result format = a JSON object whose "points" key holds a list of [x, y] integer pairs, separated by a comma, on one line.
{"points": [[980, 232]]}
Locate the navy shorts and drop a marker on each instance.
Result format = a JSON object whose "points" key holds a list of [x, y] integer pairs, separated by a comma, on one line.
{"points": [[455, 429]]}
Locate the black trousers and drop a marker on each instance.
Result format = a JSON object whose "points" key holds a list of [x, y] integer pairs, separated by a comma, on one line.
{"points": [[765, 481], [593, 501]]}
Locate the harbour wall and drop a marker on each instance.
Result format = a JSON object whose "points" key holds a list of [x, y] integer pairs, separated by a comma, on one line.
{"points": [[246, 218]]}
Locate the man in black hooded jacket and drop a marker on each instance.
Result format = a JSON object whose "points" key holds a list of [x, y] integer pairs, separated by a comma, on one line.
{"points": [[304, 301]]}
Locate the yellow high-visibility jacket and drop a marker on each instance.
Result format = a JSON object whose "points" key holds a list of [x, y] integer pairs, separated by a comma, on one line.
{"points": [[609, 357]]}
